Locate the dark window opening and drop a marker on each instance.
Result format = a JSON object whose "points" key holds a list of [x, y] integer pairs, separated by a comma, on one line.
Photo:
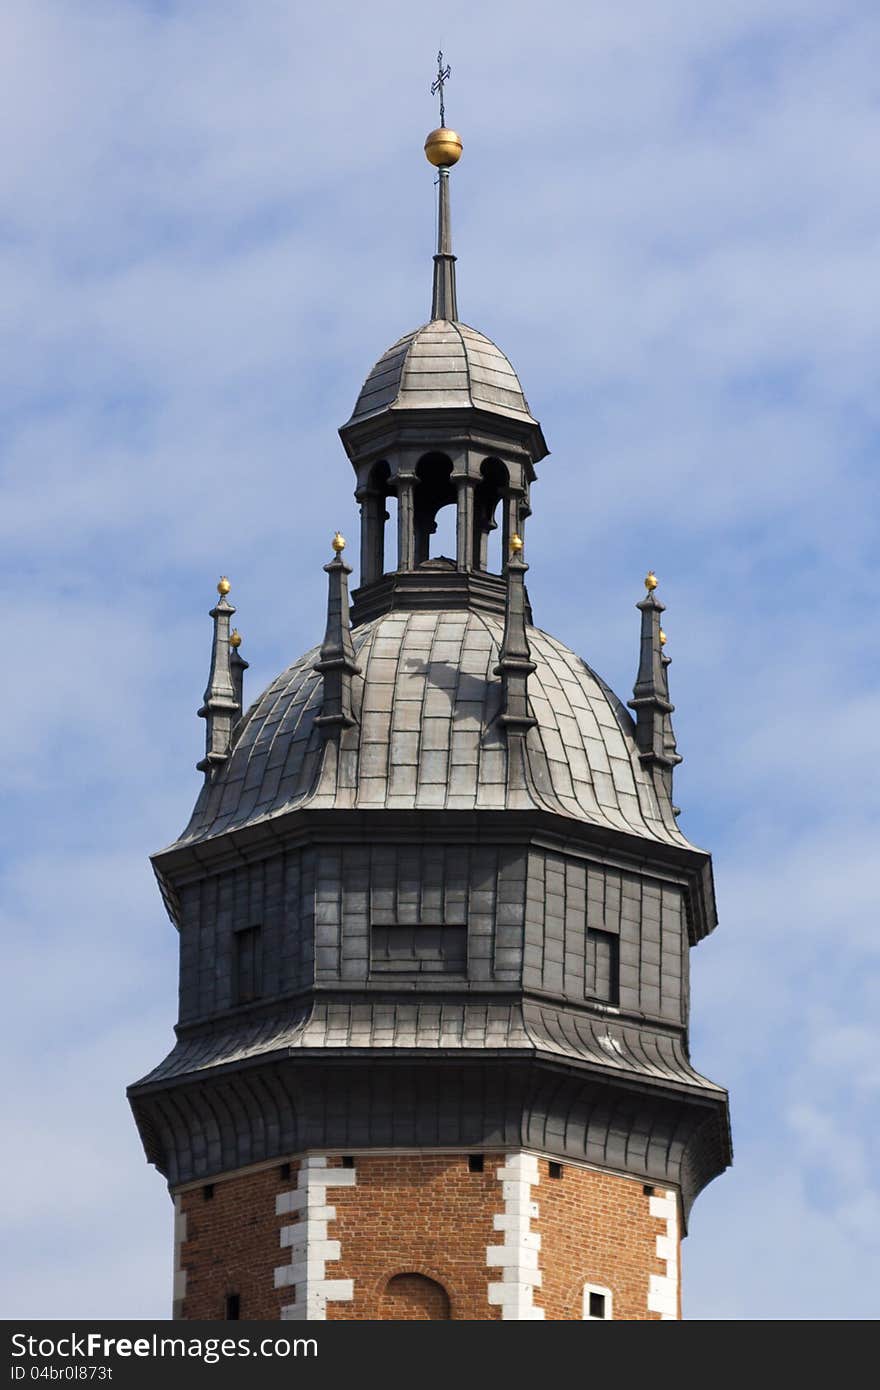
{"points": [[233, 1307], [374, 509], [347, 1161], [284, 1171], [476, 1163], [601, 972], [494, 479], [434, 490], [248, 965], [208, 1191], [648, 1189], [555, 1170], [597, 1305], [415, 950]]}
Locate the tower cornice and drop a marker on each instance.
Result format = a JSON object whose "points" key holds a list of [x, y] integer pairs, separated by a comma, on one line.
{"points": [[432, 427], [636, 1125]]}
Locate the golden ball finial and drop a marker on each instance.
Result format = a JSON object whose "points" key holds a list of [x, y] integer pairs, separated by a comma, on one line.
{"points": [[662, 638], [650, 581], [223, 587], [235, 638], [516, 544], [338, 542], [443, 147]]}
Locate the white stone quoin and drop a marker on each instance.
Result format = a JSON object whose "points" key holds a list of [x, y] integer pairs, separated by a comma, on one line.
{"points": [[663, 1288], [179, 1286], [517, 1257], [308, 1242]]}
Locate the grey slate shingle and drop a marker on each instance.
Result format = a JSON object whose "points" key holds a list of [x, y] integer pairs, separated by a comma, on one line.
{"points": [[428, 735]]}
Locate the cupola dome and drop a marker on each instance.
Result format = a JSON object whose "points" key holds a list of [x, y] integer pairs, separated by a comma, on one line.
{"points": [[443, 364]]}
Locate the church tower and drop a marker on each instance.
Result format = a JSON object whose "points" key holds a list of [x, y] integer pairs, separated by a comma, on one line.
{"points": [[435, 912]]}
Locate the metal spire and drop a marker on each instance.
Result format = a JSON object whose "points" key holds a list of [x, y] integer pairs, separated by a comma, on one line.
{"points": [[443, 149], [238, 666], [669, 744], [444, 299], [515, 663], [220, 705], [654, 734], [337, 664]]}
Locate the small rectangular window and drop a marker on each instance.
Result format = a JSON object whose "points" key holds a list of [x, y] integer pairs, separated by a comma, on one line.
{"points": [[475, 1163], [247, 965], [597, 1303], [233, 1307], [601, 973], [554, 1170], [418, 950]]}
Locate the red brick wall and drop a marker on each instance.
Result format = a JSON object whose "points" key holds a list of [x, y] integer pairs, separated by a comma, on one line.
{"points": [[422, 1214], [595, 1229], [232, 1245], [425, 1215]]}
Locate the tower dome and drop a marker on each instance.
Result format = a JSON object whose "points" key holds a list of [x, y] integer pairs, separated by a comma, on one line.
{"points": [[444, 365], [426, 734]]}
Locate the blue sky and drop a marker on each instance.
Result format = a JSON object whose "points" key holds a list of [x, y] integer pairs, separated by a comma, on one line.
{"points": [[215, 217]]}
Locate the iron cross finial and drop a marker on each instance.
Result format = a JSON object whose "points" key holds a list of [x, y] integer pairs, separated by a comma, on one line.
{"points": [[443, 76]]}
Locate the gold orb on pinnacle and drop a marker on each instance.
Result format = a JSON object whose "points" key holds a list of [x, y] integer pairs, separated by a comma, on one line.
{"points": [[443, 147]]}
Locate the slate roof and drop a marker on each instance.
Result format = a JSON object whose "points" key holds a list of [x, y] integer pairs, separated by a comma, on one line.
{"points": [[443, 364], [539, 1029], [426, 701]]}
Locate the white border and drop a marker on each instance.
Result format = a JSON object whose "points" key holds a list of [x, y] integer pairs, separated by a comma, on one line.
{"points": [[310, 1248], [518, 1256], [663, 1288]]}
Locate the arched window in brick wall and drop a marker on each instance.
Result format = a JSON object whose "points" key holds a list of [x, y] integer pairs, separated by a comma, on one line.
{"points": [[414, 1298]]}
